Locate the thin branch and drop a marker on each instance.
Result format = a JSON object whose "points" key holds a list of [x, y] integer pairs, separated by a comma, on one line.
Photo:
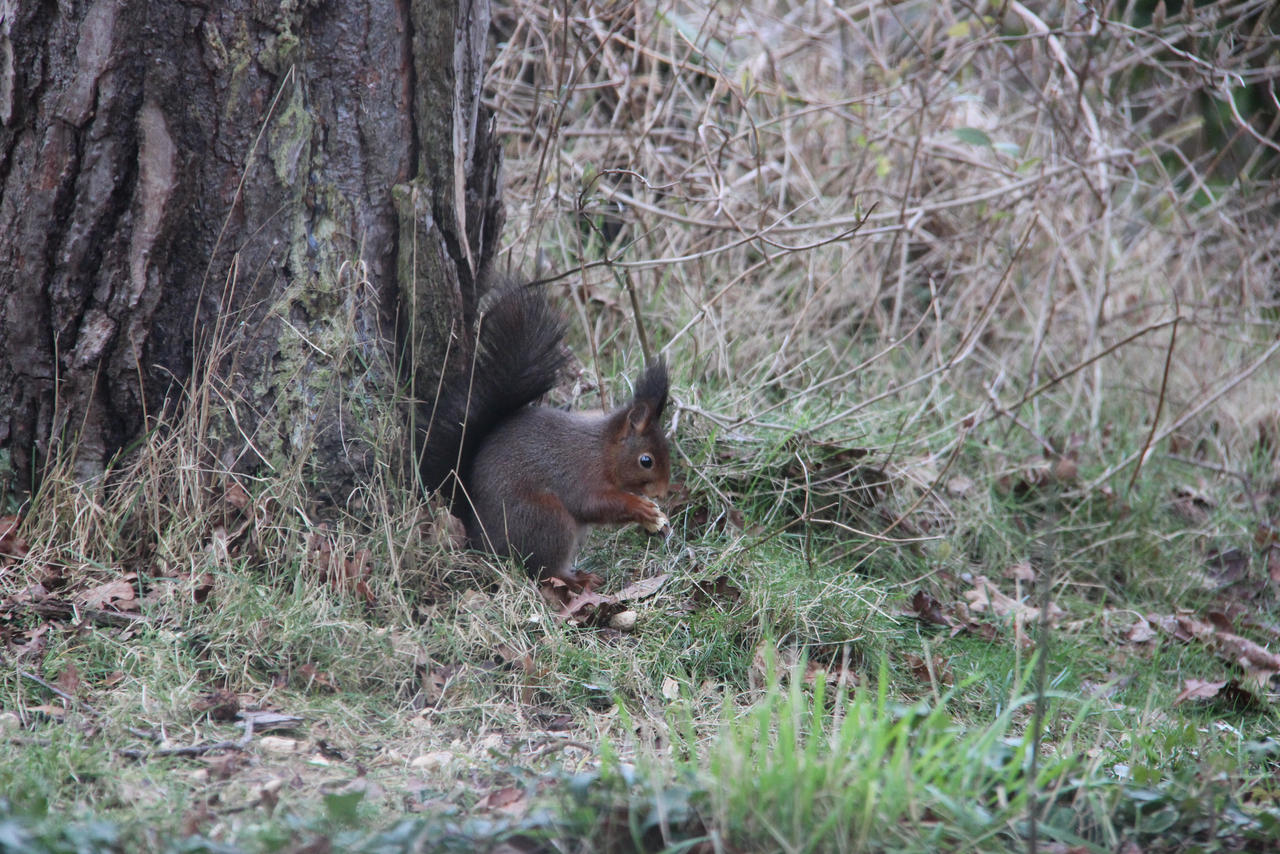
{"points": [[1164, 386]]}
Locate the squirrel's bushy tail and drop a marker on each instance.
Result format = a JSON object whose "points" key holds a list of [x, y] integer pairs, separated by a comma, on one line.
{"points": [[518, 358]]}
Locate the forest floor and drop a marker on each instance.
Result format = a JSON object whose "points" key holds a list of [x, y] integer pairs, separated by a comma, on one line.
{"points": [[973, 325]]}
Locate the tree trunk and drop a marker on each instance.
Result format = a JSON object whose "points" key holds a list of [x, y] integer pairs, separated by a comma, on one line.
{"points": [[296, 198]]}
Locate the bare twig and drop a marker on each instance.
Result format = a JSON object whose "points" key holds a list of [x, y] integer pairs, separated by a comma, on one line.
{"points": [[195, 749], [1220, 391], [1164, 385]]}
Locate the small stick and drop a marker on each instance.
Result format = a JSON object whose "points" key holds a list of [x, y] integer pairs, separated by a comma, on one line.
{"points": [[196, 749], [1164, 384], [58, 691], [1226, 385]]}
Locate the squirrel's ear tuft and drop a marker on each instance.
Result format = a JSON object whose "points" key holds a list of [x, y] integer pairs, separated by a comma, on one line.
{"points": [[651, 389]]}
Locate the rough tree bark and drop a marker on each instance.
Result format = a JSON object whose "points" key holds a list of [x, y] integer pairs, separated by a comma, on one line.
{"points": [[284, 181]]}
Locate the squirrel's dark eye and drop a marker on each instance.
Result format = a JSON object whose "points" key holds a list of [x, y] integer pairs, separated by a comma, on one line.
{"points": [[646, 461]]}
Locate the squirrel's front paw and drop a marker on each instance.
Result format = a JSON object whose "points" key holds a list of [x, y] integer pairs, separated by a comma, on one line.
{"points": [[655, 521]]}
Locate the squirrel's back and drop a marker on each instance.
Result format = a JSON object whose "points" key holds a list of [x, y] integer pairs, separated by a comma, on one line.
{"points": [[518, 358]]}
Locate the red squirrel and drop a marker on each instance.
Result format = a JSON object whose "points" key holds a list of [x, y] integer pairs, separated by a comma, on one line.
{"points": [[528, 480]]}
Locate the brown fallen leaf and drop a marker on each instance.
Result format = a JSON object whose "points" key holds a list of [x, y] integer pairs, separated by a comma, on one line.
{"points": [[1246, 653], [1229, 691], [589, 608], [927, 670], [444, 530], [1140, 632], [985, 596], [838, 661], [507, 799], [33, 649], [1198, 689], [642, 589], [929, 610], [557, 593], [435, 681], [68, 680], [119, 595]]}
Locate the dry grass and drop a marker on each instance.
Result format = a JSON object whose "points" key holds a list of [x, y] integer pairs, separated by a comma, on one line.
{"points": [[818, 205]]}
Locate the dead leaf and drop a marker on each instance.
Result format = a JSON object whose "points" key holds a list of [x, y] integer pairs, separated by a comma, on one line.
{"points": [[555, 722], [219, 546], [68, 680], [927, 670], [1259, 664], [718, 591], [196, 819], [589, 608], [120, 595], [985, 595], [33, 649], [1140, 632], [1065, 468], [508, 799], [521, 844], [928, 609], [1241, 650], [1199, 689], [837, 660], [269, 795], [201, 586], [1220, 621], [1230, 691], [783, 660], [279, 744], [444, 531], [558, 593], [518, 658], [642, 589], [1193, 505], [437, 679]]}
